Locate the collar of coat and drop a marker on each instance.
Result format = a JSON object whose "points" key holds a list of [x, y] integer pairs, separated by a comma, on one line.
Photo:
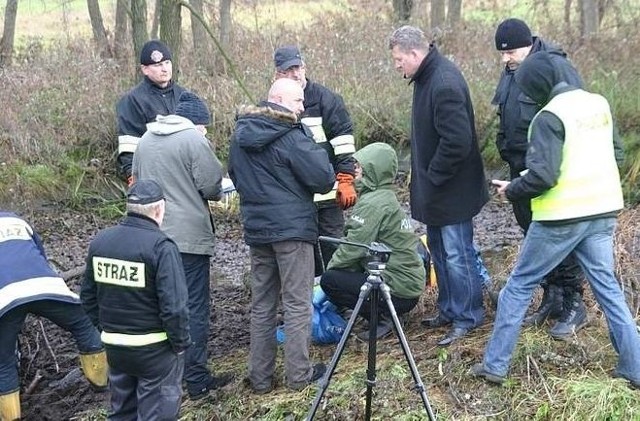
{"points": [[270, 110], [428, 62]]}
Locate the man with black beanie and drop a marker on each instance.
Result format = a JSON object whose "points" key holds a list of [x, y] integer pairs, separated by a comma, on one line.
{"points": [[155, 95], [175, 153], [563, 287]]}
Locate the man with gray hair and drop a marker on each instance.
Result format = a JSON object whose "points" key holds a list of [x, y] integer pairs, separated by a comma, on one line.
{"points": [[447, 177], [135, 293]]}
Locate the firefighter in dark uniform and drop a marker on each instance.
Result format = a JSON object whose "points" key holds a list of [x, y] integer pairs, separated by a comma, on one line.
{"points": [[156, 95], [29, 285], [135, 292], [327, 117]]}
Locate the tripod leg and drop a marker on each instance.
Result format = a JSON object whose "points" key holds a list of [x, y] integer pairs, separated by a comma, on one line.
{"points": [[324, 382], [419, 386], [373, 341]]}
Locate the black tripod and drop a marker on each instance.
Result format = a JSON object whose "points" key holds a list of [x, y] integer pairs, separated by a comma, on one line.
{"points": [[378, 254]]}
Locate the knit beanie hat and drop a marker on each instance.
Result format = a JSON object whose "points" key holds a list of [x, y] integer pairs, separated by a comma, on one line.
{"points": [[193, 108], [153, 52], [511, 34]]}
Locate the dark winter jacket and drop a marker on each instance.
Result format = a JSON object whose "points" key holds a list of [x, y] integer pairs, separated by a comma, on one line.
{"points": [[276, 168], [138, 107], [320, 102], [135, 284], [25, 274], [447, 176], [377, 216], [516, 110]]}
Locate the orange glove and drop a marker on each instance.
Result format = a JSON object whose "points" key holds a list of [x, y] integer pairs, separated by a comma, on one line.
{"points": [[346, 195], [130, 181]]}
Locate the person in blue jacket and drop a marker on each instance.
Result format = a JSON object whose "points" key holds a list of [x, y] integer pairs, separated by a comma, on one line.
{"points": [[29, 285]]}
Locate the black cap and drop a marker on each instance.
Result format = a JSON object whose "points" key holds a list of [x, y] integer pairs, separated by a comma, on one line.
{"points": [[143, 192], [153, 52], [192, 107], [286, 57], [512, 34]]}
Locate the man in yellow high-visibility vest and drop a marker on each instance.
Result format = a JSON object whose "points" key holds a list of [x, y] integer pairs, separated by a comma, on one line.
{"points": [[573, 182]]}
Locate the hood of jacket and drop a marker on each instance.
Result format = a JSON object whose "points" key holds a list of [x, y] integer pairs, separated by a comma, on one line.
{"points": [[259, 126], [379, 164], [169, 124], [537, 75]]}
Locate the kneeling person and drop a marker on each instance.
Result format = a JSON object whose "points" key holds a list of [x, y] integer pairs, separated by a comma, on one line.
{"points": [[135, 292], [377, 216]]}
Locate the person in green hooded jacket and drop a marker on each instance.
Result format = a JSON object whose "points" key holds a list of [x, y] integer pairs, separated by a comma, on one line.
{"points": [[377, 216]]}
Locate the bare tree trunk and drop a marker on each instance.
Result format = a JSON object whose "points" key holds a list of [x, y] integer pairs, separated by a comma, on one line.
{"points": [[225, 31], [97, 25], [155, 24], [202, 52], [454, 14], [437, 14], [589, 18], [121, 34], [402, 9], [138, 25], [171, 31], [567, 18], [8, 33]]}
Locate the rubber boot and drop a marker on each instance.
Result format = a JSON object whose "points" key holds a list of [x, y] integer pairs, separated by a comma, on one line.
{"points": [[574, 316], [95, 369], [10, 406], [550, 307]]}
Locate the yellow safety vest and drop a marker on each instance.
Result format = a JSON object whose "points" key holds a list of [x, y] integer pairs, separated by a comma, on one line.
{"points": [[589, 182]]}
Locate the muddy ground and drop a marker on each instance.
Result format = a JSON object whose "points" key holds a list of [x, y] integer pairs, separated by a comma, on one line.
{"points": [[52, 387]]}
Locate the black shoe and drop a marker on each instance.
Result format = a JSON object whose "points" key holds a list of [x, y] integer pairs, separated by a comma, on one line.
{"points": [[633, 385], [574, 317], [478, 370], [434, 322], [453, 335], [318, 371], [385, 327], [550, 307], [213, 384]]}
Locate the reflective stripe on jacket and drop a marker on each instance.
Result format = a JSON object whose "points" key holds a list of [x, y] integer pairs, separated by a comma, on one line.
{"points": [[589, 182], [123, 339]]}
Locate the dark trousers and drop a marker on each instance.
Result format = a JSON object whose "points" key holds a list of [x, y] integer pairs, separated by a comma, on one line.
{"points": [[145, 384], [68, 316], [568, 273], [330, 224], [196, 270], [343, 290]]}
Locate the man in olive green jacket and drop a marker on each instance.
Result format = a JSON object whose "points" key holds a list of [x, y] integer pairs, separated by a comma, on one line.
{"points": [[377, 216]]}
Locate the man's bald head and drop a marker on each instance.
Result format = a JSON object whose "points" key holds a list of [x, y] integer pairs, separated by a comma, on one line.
{"points": [[287, 93]]}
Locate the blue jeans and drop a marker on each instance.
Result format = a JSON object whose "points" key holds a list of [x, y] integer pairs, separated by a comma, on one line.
{"points": [[485, 278], [544, 247], [459, 282], [68, 316], [196, 270]]}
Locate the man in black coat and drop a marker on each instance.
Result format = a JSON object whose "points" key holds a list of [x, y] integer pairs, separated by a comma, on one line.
{"points": [[447, 177], [563, 287]]}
